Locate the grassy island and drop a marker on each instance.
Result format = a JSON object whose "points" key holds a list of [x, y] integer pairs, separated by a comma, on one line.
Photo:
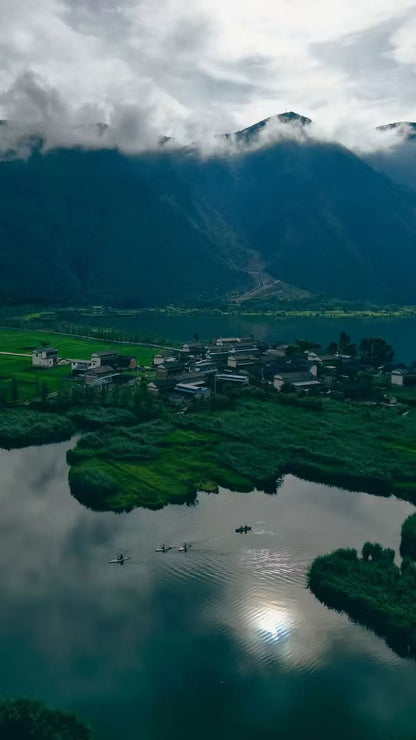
{"points": [[249, 442], [24, 719], [372, 590], [22, 427]]}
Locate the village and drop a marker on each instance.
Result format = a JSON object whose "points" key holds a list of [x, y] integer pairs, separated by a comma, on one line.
{"points": [[199, 369]]}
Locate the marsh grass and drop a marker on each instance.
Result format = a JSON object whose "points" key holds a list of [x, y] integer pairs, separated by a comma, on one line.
{"points": [[352, 446]]}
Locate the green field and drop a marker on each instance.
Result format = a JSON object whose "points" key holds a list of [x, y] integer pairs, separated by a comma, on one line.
{"points": [[30, 379]]}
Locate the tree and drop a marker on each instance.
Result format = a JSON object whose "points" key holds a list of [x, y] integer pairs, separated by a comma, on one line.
{"points": [[388, 554], [305, 345], [377, 552], [345, 346], [344, 341], [375, 351], [367, 551]]}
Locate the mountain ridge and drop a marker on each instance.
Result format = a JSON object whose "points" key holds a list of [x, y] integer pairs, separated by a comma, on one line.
{"points": [[172, 226]]}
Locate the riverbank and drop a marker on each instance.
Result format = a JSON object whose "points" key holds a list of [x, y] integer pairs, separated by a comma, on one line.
{"points": [[235, 311], [374, 592], [248, 444]]}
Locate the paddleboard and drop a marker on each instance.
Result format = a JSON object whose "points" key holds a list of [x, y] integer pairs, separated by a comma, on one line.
{"points": [[182, 549], [160, 549]]}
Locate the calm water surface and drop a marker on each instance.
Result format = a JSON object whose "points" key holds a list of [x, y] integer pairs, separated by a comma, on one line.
{"points": [[401, 333], [224, 641]]}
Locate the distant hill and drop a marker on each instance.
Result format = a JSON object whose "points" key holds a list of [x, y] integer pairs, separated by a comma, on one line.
{"points": [[400, 162], [171, 226], [406, 128]]}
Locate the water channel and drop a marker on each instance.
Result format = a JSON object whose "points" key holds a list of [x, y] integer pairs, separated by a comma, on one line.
{"points": [[224, 641]]}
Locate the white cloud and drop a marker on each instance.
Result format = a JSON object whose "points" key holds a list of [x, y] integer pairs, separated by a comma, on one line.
{"points": [[185, 69], [404, 42]]}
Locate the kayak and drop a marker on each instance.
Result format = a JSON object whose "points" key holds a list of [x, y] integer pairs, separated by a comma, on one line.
{"points": [[244, 530], [161, 549], [119, 561], [185, 549]]}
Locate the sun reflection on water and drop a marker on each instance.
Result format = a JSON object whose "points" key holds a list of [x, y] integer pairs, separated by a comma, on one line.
{"points": [[274, 623]]}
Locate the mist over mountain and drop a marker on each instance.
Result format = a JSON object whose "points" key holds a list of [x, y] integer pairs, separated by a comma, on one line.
{"points": [[171, 225], [398, 162]]}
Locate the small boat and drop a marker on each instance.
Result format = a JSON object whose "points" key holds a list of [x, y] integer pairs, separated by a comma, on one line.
{"points": [[243, 529], [164, 548]]}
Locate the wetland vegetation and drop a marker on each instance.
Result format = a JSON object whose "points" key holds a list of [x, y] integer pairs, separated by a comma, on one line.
{"points": [[251, 441], [21, 427], [25, 719], [372, 590], [408, 540]]}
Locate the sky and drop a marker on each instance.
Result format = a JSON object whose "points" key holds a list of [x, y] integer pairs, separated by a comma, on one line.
{"points": [[191, 69]]}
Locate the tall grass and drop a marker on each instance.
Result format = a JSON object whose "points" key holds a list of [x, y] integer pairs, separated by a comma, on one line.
{"points": [[252, 444]]}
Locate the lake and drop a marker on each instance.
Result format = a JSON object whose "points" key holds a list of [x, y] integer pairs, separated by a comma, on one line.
{"points": [[224, 641], [399, 332]]}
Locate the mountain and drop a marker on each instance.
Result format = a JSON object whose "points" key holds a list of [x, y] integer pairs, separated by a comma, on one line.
{"points": [[172, 226], [398, 163], [407, 129], [97, 226], [254, 132], [321, 219]]}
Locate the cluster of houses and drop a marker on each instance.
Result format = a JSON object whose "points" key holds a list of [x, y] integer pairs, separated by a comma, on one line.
{"points": [[200, 368], [102, 369], [229, 360]]}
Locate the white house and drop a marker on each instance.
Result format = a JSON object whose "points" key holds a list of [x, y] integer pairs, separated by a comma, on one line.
{"points": [[45, 357], [403, 376], [80, 366], [158, 358], [107, 357]]}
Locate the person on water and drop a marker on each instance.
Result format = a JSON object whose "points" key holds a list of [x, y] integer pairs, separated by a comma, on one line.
{"points": [[120, 557], [185, 547], [163, 548]]}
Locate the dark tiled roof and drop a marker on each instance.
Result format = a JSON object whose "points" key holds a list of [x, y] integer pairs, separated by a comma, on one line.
{"points": [[405, 371], [48, 350], [103, 370], [297, 377]]}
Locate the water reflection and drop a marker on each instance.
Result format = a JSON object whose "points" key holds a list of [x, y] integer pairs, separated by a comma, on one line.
{"points": [[274, 622], [224, 639]]}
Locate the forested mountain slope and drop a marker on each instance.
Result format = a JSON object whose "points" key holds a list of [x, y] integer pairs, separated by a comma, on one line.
{"points": [[173, 226]]}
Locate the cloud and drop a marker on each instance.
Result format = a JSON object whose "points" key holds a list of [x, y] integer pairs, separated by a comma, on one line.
{"points": [[192, 70]]}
